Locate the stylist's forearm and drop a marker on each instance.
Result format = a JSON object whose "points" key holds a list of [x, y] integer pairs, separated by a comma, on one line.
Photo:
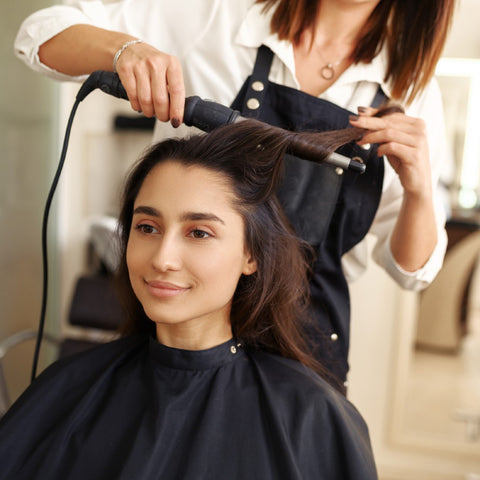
{"points": [[415, 234], [82, 49]]}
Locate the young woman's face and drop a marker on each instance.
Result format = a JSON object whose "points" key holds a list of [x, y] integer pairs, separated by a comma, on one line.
{"points": [[186, 251]]}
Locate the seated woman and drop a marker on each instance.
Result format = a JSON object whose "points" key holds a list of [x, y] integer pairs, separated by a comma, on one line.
{"points": [[212, 378]]}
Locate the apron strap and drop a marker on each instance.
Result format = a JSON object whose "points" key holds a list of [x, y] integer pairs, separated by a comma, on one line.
{"points": [[379, 99], [257, 84]]}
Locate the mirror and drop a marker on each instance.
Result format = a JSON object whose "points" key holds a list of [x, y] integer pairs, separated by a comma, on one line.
{"points": [[443, 388], [459, 80], [435, 407]]}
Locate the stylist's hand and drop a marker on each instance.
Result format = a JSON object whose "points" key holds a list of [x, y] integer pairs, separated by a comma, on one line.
{"points": [[403, 140], [153, 81]]}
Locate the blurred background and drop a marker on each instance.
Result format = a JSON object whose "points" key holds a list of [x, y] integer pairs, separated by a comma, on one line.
{"points": [[415, 358]]}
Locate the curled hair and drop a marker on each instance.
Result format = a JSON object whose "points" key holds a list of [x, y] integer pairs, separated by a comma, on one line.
{"points": [[269, 307], [413, 31]]}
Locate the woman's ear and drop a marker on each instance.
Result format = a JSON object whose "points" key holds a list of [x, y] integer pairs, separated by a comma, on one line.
{"points": [[250, 265]]}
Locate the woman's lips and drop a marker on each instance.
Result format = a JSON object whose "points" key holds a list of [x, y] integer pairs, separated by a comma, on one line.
{"points": [[164, 289]]}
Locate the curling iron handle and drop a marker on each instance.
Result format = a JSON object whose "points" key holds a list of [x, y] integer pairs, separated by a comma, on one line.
{"points": [[108, 82], [203, 114], [207, 115]]}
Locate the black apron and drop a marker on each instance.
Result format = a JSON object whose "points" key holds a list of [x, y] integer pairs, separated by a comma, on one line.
{"points": [[330, 208]]}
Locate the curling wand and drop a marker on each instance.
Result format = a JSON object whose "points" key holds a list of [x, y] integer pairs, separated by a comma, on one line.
{"points": [[203, 114]]}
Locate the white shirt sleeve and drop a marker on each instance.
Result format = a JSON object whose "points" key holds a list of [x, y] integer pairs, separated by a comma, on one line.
{"points": [[153, 21], [44, 24]]}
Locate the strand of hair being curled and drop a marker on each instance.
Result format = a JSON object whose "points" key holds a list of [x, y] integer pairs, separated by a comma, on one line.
{"points": [[316, 146]]}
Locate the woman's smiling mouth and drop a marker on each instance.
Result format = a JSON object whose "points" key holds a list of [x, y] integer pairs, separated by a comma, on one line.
{"points": [[162, 289]]}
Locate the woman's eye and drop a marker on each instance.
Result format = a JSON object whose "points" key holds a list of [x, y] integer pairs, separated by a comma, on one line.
{"points": [[199, 234], [145, 228]]}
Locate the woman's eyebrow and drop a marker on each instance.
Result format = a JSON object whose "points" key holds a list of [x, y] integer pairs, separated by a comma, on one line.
{"points": [[153, 212], [196, 216], [187, 216]]}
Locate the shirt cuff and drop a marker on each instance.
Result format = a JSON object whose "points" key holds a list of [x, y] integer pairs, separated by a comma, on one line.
{"points": [[40, 27], [421, 278]]}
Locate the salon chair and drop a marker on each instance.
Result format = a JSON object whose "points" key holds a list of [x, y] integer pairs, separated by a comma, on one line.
{"points": [[443, 306]]}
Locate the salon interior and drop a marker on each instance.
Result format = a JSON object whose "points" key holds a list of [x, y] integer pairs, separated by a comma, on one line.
{"points": [[415, 357]]}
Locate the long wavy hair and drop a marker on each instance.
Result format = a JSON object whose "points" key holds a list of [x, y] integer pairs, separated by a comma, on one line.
{"points": [[269, 308], [413, 31]]}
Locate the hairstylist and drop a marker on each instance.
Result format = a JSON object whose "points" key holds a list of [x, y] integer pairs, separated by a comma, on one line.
{"points": [[298, 65]]}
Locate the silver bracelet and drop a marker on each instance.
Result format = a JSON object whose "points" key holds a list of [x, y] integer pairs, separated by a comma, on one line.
{"points": [[124, 47]]}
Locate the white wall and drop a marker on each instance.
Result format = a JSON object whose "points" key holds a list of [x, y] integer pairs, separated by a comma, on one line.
{"points": [[28, 132]]}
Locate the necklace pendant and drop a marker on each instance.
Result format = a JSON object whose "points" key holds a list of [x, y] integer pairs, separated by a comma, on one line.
{"points": [[327, 71]]}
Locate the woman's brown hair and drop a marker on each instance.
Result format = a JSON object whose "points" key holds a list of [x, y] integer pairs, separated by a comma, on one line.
{"points": [[270, 307], [414, 33]]}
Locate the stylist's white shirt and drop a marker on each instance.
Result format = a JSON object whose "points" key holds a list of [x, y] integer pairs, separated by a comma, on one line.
{"points": [[216, 42]]}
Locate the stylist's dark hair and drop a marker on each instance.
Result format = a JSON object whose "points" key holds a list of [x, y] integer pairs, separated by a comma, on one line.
{"points": [[414, 32], [269, 307]]}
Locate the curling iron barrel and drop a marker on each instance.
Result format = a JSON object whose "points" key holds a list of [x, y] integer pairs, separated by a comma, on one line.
{"points": [[207, 115], [203, 114]]}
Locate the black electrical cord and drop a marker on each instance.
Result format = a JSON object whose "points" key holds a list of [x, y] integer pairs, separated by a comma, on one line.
{"points": [[108, 83], [53, 187]]}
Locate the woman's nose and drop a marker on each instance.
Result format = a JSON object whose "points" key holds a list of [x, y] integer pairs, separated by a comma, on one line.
{"points": [[167, 255]]}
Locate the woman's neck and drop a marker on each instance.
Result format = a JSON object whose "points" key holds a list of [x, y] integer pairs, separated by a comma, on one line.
{"points": [[327, 47], [339, 22], [194, 335]]}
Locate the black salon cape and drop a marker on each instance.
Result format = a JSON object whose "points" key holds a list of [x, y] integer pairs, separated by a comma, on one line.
{"points": [[136, 410]]}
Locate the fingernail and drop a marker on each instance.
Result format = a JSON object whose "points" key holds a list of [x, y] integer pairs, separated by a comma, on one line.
{"points": [[175, 122], [362, 109], [353, 118]]}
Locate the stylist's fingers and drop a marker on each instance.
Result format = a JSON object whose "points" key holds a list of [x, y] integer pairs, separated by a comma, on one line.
{"points": [[145, 73], [129, 83], [395, 127], [398, 121], [144, 93], [403, 140], [132, 68], [176, 92], [169, 92], [367, 111], [388, 135]]}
